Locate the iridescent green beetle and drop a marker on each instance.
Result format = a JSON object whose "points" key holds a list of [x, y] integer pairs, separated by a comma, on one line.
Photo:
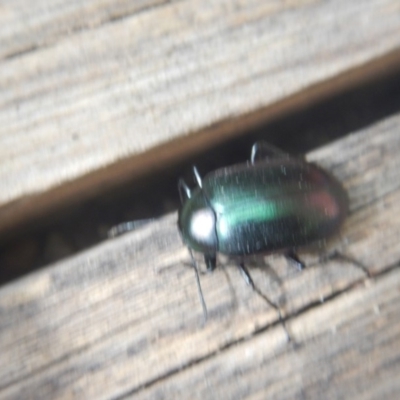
{"points": [[274, 203]]}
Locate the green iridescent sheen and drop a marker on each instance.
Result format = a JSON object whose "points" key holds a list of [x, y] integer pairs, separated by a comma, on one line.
{"points": [[264, 209]]}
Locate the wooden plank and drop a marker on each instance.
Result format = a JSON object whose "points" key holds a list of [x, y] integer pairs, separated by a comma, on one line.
{"points": [[124, 318], [26, 26], [349, 349], [76, 113]]}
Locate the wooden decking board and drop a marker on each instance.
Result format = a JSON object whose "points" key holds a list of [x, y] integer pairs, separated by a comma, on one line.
{"points": [[27, 27], [347, 351], [124, 318], [90, 98]]}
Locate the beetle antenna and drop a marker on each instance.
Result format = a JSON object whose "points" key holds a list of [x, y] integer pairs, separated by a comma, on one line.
{"points": [[196, 272], [248, 279], [197, 176], [128, 226], [184, 191]]}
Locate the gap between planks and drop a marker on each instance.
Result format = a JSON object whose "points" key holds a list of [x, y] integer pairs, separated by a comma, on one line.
{"points": [[104, 104]]}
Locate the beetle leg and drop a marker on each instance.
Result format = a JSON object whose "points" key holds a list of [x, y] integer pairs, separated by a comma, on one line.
{"points": [[196, 273], [343, 257], [294, 259], [247, 277], [128, 226], [197, 176], [249, 280], [184, 191], [262, 150], [211, 261]]}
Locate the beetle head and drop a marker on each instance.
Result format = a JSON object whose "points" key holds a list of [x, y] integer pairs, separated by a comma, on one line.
{"points": [[196, 222]]}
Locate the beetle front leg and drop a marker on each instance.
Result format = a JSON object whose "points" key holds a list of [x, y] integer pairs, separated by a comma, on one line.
{"points": [[200, 291], [211, 261]]}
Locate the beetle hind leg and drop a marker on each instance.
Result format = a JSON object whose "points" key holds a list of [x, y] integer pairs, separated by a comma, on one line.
{"points": [[249, 280], [343, 257]]}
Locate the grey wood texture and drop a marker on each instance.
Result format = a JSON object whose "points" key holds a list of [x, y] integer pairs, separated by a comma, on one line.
{"points": [[95, 92], [123, 319]]}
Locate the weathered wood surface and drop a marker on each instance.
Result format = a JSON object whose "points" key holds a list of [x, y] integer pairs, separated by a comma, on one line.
{"points": [[86, 85], [124, 319]]}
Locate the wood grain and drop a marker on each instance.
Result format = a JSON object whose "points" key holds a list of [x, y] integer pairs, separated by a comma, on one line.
{"points": [[123, 319], [346, 351], [26, 27], [94, 93]]}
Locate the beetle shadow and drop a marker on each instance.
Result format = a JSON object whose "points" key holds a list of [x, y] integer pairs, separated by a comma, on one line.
{"points": [[259, 263], [255, 262], [251, 264], [330, 249]]}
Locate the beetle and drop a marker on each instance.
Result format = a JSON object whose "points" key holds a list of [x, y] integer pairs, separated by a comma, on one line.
{"points": [[273, 203]]}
